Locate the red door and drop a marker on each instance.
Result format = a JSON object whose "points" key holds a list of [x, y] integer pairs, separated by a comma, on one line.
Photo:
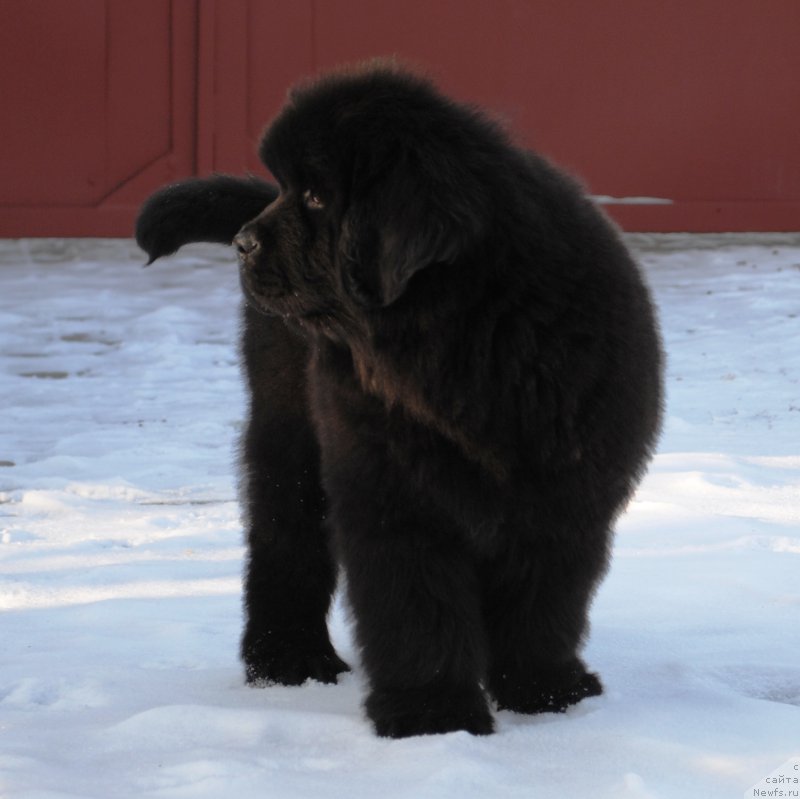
{"points": [[687, 115], [97, 104]]}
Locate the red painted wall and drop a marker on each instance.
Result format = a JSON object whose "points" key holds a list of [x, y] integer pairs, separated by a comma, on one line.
{"points": [[694, 103]]}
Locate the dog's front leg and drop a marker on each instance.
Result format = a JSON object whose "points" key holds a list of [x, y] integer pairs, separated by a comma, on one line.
{"points": [[291, 574]]}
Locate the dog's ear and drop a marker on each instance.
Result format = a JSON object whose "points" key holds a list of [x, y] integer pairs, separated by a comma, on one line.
{"points": [[415, 217]]}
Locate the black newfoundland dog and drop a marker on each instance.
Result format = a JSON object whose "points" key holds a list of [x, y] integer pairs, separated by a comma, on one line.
{"points": [[455, 380]]}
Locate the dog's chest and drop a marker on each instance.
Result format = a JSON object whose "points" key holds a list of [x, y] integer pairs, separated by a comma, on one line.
{"points": [[368, 394]]}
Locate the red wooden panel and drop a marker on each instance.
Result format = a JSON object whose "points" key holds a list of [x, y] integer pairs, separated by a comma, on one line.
{"points": [[258, 49], [52, 134], [98, 102], [138, 97], [698, 104], [694, 103]]}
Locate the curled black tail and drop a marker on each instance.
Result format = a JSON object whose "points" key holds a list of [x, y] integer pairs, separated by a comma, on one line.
{"points": [[200, 209]]}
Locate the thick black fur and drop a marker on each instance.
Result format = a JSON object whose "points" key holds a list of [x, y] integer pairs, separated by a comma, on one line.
{"points": [[455, 372]]}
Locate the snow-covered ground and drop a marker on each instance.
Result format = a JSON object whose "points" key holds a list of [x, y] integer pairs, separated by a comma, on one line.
{"points": [[120, 556]]}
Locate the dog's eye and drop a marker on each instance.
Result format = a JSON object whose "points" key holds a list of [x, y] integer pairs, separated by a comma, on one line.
{"points": [[312, 200]]}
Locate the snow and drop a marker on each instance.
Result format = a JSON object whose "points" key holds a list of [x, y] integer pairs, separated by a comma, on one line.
{"points": [[605, 199], [121, 555]]}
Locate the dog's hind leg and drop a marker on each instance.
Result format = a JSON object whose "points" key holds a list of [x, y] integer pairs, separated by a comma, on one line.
{"points": [[536, 597]]}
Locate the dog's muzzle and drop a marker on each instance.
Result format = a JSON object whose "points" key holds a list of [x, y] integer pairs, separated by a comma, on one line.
{"points": [[246, 244]]}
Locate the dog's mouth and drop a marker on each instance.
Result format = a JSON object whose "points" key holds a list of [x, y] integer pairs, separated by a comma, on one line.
{"points": [[268, 299], [277, 298]]}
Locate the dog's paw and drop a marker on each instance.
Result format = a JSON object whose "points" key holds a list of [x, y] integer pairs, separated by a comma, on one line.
{"points": [[399, 713], [294, 668], [551, 693]]}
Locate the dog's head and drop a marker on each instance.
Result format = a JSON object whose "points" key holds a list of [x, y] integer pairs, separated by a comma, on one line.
{"points": [[380, 180]]}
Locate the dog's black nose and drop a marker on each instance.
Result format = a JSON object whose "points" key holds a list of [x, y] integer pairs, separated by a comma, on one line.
{"points": [[246, 243]]}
